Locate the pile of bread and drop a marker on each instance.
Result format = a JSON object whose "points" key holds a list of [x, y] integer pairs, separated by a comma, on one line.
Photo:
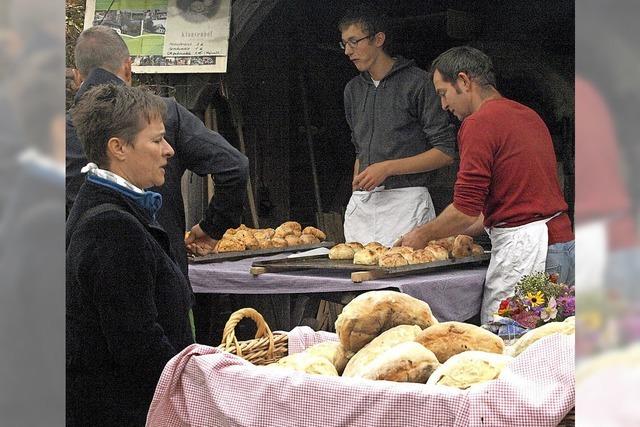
{"points": [[387, 335], [374, 253], [289, 233]]}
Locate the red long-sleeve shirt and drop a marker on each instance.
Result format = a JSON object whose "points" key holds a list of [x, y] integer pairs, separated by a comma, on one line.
{"points": [[508, 169]]}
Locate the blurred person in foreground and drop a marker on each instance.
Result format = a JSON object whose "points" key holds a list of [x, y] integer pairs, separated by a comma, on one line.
{"points": [[127, 298], [31, 256], [507, 181], [102, 57]]}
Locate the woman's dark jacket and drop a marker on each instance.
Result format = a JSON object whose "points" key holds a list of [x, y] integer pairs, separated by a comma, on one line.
{"points": [[127, 306]]}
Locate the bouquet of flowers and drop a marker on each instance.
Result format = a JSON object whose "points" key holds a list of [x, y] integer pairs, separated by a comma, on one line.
{"points": [[538, 298]]}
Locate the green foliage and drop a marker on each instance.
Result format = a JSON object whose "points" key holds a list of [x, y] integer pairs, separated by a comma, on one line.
{"points": [[74, 20], [538, 282]]}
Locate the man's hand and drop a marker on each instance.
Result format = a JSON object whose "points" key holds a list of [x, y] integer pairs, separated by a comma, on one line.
{"points": [[372, 176], [416, 239], [198, 242]]}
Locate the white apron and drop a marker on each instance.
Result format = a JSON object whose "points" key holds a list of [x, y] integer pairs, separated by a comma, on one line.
{"points": [[515, 252], [384, 215], [591, 254]]}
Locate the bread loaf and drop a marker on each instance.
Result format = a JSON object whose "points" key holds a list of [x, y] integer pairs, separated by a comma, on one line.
{"points": [[392, 260], [405, 362], [333, 352], [319, 234], [355, 245], [308, 239], [305, 362], [462, 246], [230, 245], [279, 242], [534, 335], [439, 253], [292, 240], [477, 250], [420, 256], [446, 243], [357, 365], [449, 338], [341, 251], [365, 257], [471, 367], [371, 313]]}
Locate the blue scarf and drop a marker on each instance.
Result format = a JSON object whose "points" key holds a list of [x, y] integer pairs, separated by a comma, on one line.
{"points": [[149, 200]]}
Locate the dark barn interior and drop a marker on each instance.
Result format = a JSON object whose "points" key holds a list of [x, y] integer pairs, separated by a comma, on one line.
{"points": [[285, 65]]}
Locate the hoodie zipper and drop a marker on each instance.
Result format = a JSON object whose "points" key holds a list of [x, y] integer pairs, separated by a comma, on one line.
{"points": [[373, 121]]}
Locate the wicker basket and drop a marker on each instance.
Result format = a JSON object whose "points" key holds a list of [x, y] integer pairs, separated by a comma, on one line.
{"points": [[266, 348]]}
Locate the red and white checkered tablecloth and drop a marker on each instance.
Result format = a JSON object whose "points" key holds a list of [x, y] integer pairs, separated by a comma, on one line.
{"points": [[203, 386]]}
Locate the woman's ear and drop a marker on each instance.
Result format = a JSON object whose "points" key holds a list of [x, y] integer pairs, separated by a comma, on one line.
{"points": [[116, 149]]}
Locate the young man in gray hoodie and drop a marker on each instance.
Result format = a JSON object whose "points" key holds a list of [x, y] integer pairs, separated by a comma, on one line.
{"points": [[398, 129]]}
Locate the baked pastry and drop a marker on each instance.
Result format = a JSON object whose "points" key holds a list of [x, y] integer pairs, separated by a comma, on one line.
{"points": [[380, 250], [420, 256], [355, 246], [292, 225], [406, 362], [292, 240], [308, 239], [471, 367], [266, 233], [341, 251], [229, 233], [279, 242], [462, 246], [534, 335], [230, 245], [390, 338], [333, 352], [371, 313], [439, 253], [315, 232], [477, 250], [449, 338], [372, 245], [265, 243], [365, 257], [309, 363], [391, 260], [446, 243]]}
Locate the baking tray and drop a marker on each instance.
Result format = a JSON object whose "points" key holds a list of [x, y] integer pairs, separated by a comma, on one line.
{"points": [[232, 256], [361, 273]]}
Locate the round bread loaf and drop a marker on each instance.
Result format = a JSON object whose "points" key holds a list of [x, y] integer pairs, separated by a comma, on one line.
{"points": [[406, 362], [333, 352], [315, 232], [308, 239], [534, 335], [371, 313], [263, 234], [229, 233], [365, 257], [230, 245], [309, 363], [420, 256], [439, 253], [293, 225], [355, 246], [357, 365], [392, 260], [279, 242], [341, 251], [446, 243], [265, 244], [462, 246], [292, 240], [477, 250], [449, 338], [372, 245], [471, 367]]}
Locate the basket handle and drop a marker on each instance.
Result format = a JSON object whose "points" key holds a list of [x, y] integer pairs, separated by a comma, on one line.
{"points": [[229, 334]]}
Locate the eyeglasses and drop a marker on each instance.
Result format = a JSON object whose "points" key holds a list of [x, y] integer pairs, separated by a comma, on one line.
{"points": [[352, 43]]}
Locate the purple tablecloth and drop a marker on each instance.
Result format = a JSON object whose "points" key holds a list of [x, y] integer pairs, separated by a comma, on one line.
{"points": [[452, 294]]}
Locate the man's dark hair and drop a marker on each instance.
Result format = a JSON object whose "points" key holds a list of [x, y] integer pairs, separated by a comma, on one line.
{"points": [[100, 47], [113, 111], [370, 19], [465, 59]]}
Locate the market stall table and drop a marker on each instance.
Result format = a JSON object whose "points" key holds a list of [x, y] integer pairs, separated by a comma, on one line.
{"points": [[452, 294]]}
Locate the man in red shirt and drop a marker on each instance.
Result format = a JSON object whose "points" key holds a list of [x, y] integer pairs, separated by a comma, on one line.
{"points": [[506, 183]]}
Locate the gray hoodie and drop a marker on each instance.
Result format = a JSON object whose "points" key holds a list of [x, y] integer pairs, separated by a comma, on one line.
{"points": [[399, 118]]}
